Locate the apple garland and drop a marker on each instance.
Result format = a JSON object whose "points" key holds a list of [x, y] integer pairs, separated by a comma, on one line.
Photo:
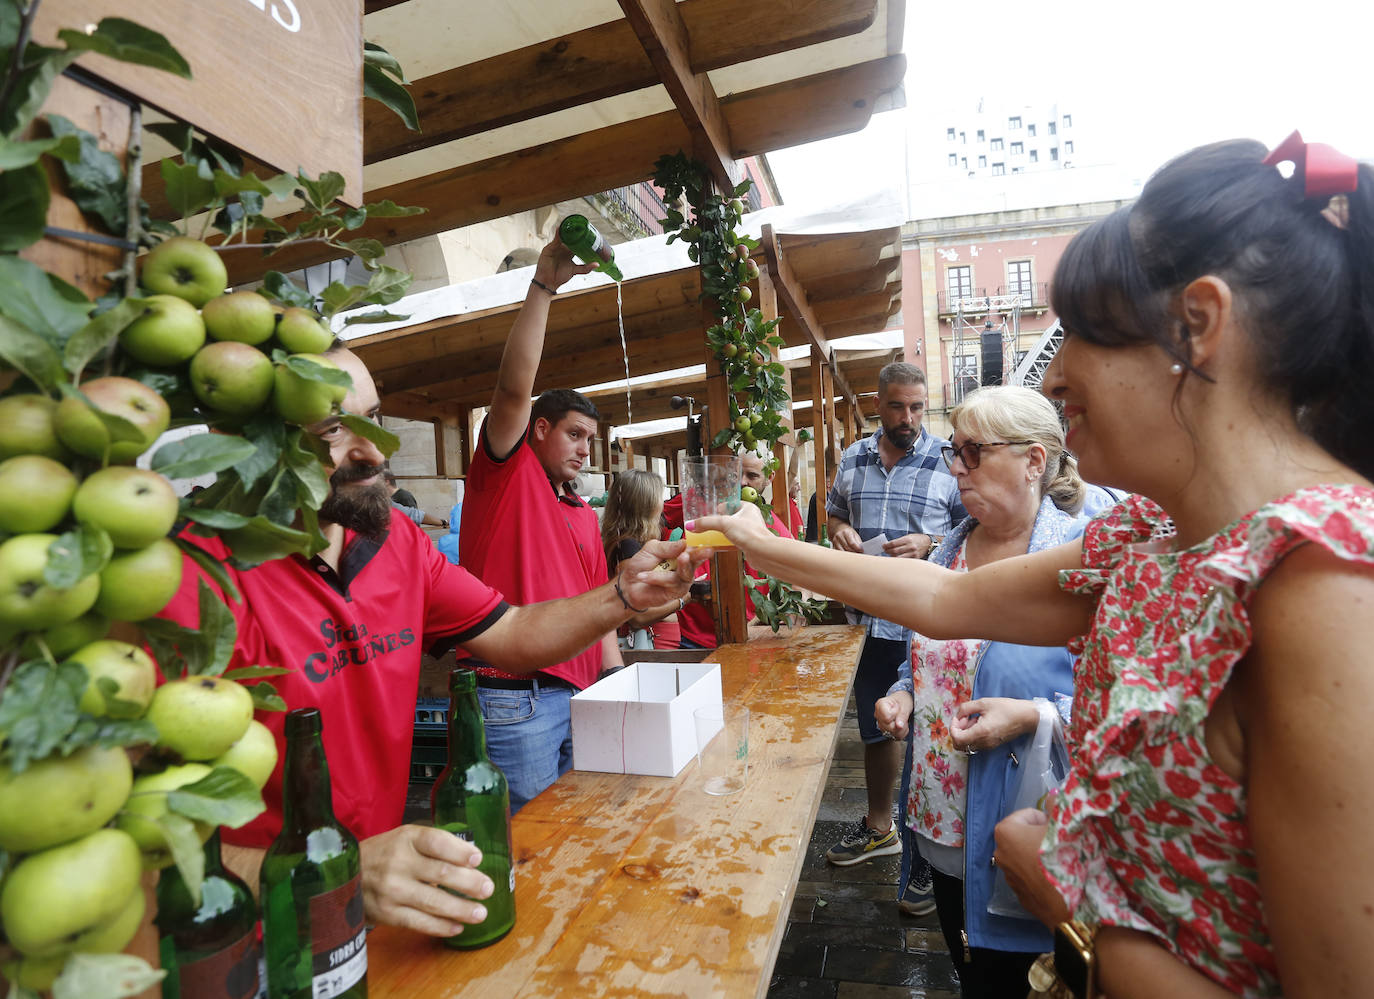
{"points": [[87, 540]]}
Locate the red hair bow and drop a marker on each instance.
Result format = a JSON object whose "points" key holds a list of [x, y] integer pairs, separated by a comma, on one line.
{"points": [[1325, 171]]}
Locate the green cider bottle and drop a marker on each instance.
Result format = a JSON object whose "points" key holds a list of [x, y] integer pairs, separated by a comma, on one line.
{"points": [[588, 245], [472, 801], [314, 931], [210, 950]]}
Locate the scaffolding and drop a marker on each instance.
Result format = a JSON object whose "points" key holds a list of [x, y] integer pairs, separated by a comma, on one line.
{"points": [[1031, 371], [973, 317]]}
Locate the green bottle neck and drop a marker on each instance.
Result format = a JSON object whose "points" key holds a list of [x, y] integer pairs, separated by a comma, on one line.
{"points": [[467, 737], [307, 798], [214, 863]]}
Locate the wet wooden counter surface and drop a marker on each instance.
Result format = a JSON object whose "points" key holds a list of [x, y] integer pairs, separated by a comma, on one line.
{"points": [[631, 886]]}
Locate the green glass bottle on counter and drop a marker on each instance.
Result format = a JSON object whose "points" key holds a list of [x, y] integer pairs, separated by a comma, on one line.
{"points": [[588, 245], [210, 950], [314, 931], [472, 801]]}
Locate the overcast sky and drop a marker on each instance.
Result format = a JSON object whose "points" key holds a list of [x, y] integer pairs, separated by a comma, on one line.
{"points": [[1143, 81]]}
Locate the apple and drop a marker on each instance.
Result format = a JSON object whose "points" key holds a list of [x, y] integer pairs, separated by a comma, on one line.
{"points": [[302, 332], [27, 602], [66, 637], [169, 332], [52, 897], [109, 937], [62, 798], [302, 401], [132, 671], [35, 493], [244, 316], [34, 973], [83, 432], [139, 583], [186, 268], [26, 427], [133, 506], [148, 802], [232, 377], [200, 717], [254, 754]]}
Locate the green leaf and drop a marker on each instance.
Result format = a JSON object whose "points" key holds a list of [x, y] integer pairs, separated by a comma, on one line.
{"points": [[30, 353], [312, 482], [260, 540], [282, 185], [100, 333], [367, 249], [339, 297], [105, 976], [14, 155], [201, 454], [219, 520], [265, 697], [320, 194], [187, 191], [178, 133], [268, 435], [109, 732], [280, 502], [40, 67], [129, 42], [256, 672], [387, 285], [375, 55], [228, 185], [200, 651], [388, 209], [213, 567], [38, 710], [95, 179], [223, 797], [23, 207], [183, 841], [316, 372], [281, 288], [380, 87], [386, 441], [76, 554], [374, 317]]}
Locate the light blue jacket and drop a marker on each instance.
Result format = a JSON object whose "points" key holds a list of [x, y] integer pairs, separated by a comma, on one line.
{"points": [[1002, 670]]}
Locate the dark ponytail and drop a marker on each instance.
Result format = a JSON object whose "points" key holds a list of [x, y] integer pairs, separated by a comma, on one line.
{"points": [[1303, 284]]}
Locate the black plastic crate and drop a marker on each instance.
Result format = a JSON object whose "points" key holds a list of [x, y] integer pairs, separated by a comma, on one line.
{"points": [[431, 714], [428, 756]]}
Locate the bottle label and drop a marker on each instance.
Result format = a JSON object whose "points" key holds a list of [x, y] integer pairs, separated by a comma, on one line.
{"points": [[338, 934], [232, 972]]}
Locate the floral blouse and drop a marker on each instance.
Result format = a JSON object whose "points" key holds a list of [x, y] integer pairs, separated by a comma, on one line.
{"points": [[942, 679], [1149, 832]]}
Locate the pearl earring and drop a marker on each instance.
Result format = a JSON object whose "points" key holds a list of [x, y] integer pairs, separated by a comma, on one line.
{"points": [[1176, 368]]}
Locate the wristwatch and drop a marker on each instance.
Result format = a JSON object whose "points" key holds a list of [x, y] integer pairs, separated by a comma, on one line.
{"points": [[934, 543], [1075, 961]]}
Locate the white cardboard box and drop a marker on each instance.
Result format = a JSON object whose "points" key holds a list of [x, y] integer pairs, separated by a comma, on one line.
{"points": [[640, 719]]}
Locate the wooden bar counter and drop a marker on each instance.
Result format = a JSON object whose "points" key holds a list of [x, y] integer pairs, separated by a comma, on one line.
{"points": [[630, 886]]}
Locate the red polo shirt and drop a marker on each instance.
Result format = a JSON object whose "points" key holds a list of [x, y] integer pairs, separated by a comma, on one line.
{"points": [[530, 541], [352, 641]]}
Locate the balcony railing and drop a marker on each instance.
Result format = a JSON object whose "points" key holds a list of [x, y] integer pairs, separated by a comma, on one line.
{"points": [[972, 300], [1034, 294], [637, 208]]}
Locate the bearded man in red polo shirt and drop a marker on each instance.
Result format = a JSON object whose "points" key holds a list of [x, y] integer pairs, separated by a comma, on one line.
{"points": [[350, 624], [527, 534]]}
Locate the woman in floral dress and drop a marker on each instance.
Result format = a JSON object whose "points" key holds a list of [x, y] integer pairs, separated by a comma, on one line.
{"points": [[1219, 345]]}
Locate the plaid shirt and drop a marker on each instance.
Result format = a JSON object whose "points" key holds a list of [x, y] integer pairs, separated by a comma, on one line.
{"points": [[916, 496]]}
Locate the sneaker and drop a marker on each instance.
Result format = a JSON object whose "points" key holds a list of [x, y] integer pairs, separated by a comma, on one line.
{"points": [[918, 897], [862, 843]]}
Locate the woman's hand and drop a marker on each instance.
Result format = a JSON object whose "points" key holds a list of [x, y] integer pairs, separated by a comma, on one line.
{"points": [[1018, 857], [893, 713], [988, 722], [744, 527]]}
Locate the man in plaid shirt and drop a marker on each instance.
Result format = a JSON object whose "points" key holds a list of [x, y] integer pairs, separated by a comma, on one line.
{"points": [[892, 484]]}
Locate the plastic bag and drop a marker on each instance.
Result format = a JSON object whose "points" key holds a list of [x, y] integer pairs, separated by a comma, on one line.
{"points": [[1044, 768]]}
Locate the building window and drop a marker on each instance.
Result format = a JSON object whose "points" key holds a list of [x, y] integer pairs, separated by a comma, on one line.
{"points": [[1068, 146], [1052, 132], [949, 134], [953, 159], [963, 162], [1054, 154], [1019, 279], [1016, 169], [963, 137], [998, 169], [1068, 121], [959, 283], [980, 135], [1017, 148], [1035, 156], [982, 161], [1030, 130], [1014, 122], [996, 145]]}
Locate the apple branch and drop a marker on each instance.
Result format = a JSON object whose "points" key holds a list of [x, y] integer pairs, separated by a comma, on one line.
{"points": [[17, 53]]}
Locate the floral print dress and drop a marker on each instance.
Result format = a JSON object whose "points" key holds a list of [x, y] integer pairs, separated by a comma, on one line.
{"points": [[1149, 833]]}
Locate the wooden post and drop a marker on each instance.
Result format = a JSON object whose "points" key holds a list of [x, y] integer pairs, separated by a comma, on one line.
{"points": [[818, 423]]}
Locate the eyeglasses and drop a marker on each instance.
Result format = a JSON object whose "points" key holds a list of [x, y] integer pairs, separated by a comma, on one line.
{"points": [[970, 452]]}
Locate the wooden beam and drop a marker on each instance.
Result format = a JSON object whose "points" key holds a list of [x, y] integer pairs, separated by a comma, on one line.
{"points": [[615, 156], [663, 34]]}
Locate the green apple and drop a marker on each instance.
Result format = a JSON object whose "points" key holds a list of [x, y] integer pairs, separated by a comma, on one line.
{"points": [[83, 432], [202, 716], [62, 798], [35, 493], [148, 802], [132, 671], [169, 332], [137, 584], [26, 427], [133, 506], [110, 937], [302, 332], [27, 601], [186, 268], [232, 377], [34, 973], [53, 897], [244, 316], [254, 754], [68, 636], [302, 401]]}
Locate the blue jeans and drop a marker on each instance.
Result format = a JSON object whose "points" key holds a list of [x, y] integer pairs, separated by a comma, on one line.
{"points": [[529, 736]]}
